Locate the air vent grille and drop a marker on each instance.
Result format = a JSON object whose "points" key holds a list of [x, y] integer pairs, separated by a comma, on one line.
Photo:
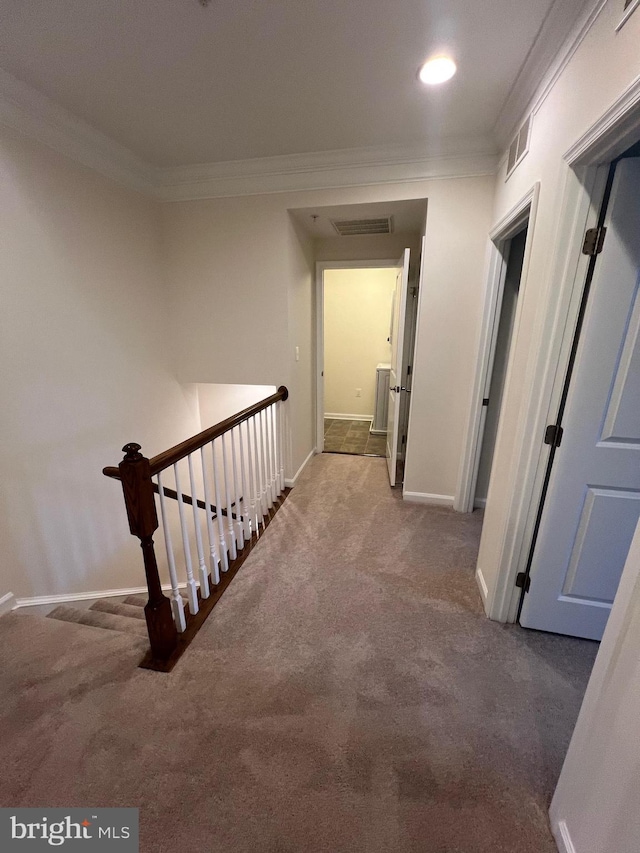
{"points": [[519, 145], [357, 227]]}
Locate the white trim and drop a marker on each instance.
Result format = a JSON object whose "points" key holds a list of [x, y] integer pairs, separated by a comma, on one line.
{"points": [[628, 12], [523, 211], [533, 87], [30, 112], [338, 417], [482, 585], [614, 131], [562, 837], [290, 483], [36, 600], [7, 603], [426, 498]]}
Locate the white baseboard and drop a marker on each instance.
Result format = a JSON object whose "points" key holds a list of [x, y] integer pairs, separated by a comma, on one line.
{"points": [[562, 837], [291, 483], [480, 503], [377, 432], [7, 603], [482, 585], [64, 598], [426, 498], [339, 417]]}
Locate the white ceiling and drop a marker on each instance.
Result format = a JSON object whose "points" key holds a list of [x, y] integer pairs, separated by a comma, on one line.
{"points": [[180, 84]]}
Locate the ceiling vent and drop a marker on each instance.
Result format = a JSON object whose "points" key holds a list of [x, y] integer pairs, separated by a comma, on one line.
{"points": [[519, 146], [358, 227]]}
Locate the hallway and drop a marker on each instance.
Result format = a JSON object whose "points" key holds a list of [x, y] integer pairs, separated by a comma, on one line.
{"points": [[346, 696]]}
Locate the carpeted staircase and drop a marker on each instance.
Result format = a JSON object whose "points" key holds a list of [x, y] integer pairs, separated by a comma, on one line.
{"points": [[126, 616]]}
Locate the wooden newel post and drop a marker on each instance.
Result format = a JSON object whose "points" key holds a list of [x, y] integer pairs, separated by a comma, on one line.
{"points": [[139, 499]]}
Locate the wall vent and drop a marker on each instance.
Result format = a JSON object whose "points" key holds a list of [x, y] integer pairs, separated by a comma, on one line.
{"points": [[358, 227], [519, 145]]}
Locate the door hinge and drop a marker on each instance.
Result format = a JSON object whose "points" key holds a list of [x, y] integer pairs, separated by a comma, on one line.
{"points": [[409, 369], [553, 435], [594, 241], [485, 401], [404, 438], [523, 581]]}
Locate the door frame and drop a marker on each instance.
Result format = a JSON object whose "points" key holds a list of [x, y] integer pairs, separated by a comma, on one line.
{"points": [[521, 214], [321, 267], [584, 170]]}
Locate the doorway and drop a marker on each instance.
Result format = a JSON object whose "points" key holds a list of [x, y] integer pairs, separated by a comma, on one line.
{"points": [[357, 316], [513, 249]]}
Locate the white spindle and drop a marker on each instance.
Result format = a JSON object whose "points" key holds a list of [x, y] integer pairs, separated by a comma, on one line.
{"points": [[238, 521], [274, 452], [177, 604], [224, 549], [252, 489], [213, 550], [203, 573], [192, 592], [280, 422], [246, 497], [231, 540], [265, 460], [261, 499]]}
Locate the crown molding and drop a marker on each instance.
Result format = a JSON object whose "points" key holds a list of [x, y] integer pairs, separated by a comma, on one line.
{"points": [[543, 66], [37, 116], [327, 170]]}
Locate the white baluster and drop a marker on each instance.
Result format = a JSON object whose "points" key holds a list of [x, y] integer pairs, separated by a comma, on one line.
{"points": [[224, 549], [246, 496], [177, 604], [239, 510], [213, 550], [192, 592], [231, 540], [252, 491], [280, 422], [203, 574], [260, 498], [274, 453], [265, 460]]}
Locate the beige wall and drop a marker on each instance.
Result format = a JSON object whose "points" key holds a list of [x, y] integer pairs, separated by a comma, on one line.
{"points": [[85, 369], [357, 316], [602, 68]]}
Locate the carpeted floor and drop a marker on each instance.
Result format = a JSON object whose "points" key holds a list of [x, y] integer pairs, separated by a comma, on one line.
{"points": [[346, 696]]}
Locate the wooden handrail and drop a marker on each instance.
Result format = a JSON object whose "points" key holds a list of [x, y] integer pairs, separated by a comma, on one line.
{"points": [[190, 445]]}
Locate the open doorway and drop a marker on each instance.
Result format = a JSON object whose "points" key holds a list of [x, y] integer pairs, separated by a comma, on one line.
{"points": [[513, 250], [357, 310]]}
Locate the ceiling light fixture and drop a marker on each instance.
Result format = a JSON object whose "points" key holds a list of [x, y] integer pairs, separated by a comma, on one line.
{"points": [[437, 70]]}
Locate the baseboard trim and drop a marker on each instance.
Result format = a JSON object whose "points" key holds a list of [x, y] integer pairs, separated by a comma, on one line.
{"points": [[7, 603], [482, 585], [377, 432], [479, 503], [291, 483], [426, 498], [64, 598], [340, 417], [562, 837]]}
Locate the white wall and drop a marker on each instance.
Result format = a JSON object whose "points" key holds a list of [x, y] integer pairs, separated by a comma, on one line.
{"points": [[605, 64], [84, 370], [595, 805], [357, 317], [241, 295]]}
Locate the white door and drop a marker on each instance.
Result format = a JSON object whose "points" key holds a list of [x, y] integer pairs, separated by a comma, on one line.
{"points": [[398, 312], [593, 501]]}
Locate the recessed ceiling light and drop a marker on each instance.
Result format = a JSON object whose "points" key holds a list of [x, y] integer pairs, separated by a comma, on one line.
{"points": [[437, 70]]}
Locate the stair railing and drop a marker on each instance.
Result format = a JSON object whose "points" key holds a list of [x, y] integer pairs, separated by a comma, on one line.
{"points": [[237, 478]]}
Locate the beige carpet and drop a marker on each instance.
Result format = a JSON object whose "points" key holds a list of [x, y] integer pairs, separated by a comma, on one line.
{"points": [[346, 696]]}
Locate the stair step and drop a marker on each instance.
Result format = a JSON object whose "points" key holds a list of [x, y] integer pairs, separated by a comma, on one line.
{"points": [[135, 600], [96, 619], [107, 605]]}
